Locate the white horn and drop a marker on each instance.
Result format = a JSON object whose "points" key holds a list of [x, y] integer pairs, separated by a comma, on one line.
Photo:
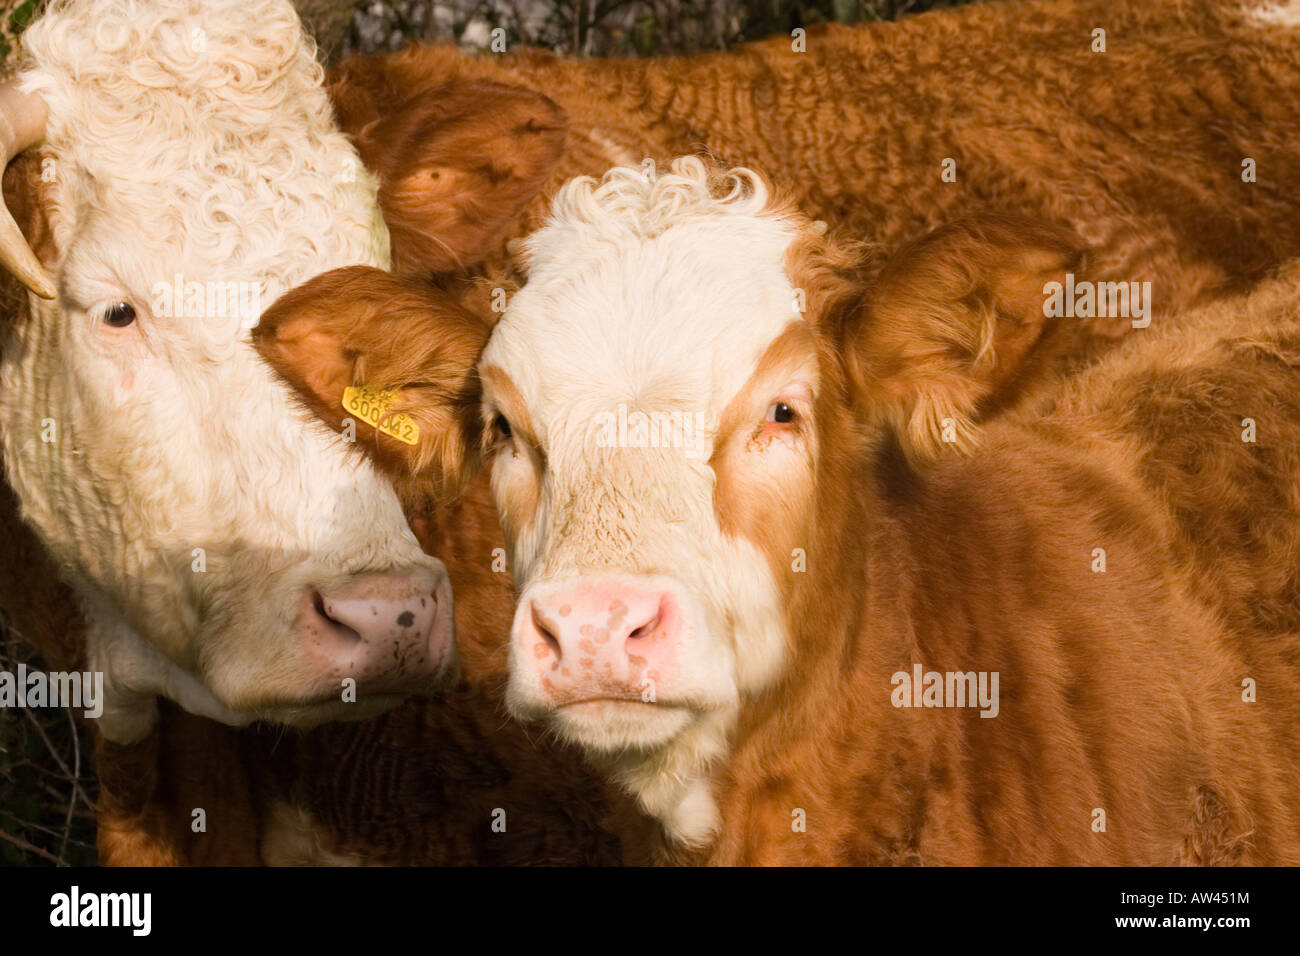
{"points": [[22, 125]]}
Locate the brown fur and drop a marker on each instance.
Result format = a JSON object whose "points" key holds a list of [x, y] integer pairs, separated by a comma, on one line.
{"points": [[920, 361], [456, 170], [1120, 690], [359, 326], [758, 511], [856, 127]]}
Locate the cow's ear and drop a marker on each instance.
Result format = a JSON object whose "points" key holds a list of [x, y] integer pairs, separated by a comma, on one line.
{"points": [[954, 329], [365, 348], [457, 166]]}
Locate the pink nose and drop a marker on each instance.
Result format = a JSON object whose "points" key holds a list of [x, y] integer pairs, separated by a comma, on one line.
{"points": [[608, 640], [391, 632]]}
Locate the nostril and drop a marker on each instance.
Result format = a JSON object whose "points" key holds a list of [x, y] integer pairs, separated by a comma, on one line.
{"points": [[645, 630], [339, 628], [547, 631]]}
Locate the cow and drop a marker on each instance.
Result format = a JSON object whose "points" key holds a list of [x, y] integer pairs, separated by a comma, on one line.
{"points": [[228, 552], [360, 326], [790, 591]]}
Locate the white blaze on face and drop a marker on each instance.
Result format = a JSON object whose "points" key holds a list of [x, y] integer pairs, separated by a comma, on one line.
{"points": [[650, 603], [197, 508]]}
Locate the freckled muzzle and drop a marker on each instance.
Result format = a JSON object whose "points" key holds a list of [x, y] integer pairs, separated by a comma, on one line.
{"points": [[612, 638], [391, 632]]}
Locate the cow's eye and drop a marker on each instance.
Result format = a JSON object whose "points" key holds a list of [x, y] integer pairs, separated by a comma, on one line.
{"points": [[781, 413], [119, 315], [502, 426]]}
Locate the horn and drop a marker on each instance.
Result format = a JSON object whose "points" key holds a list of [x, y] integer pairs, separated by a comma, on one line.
{"points": [[22, 125]]}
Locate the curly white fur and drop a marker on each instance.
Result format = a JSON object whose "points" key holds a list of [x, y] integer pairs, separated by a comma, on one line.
{"points": [[638, 202], [208, 121], [183, 490]]}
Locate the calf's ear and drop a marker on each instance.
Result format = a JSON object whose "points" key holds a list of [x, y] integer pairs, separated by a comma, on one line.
{"points": [[457, 166], [953, 329], [363, 346]]}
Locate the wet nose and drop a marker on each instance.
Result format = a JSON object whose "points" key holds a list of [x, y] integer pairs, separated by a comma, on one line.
{"points": [[606, 639], [390, 631]]}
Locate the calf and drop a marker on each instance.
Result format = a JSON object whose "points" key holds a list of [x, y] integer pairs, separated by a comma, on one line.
{"points": [[782, 587]]}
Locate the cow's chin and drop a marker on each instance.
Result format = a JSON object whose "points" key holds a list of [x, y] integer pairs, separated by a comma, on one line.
{"points": [[307, 715], [329, 701], [611, 727], [363, 703]]}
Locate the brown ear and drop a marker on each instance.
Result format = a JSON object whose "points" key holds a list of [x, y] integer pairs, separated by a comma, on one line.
{"points": [[457, 165], [954, 329], [360, 326]]}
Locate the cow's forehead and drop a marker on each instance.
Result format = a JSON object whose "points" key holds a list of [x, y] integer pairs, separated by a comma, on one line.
{"points": [[680, 318], [142, 243], [228, 170]]}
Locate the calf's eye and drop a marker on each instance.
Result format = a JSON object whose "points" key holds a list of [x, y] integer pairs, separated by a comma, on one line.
{"points": [[119, 315], [781, 413], [502, 426]]}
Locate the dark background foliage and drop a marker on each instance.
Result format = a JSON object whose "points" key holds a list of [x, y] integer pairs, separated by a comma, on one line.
{"points": [[608, 27], [584, 27]]}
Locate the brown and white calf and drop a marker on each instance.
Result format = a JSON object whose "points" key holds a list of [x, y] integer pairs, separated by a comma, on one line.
{"points": [[359, 325], [769, 561]]}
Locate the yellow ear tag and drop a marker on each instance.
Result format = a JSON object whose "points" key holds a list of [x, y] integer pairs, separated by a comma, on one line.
{"points": [[370, 405]]}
